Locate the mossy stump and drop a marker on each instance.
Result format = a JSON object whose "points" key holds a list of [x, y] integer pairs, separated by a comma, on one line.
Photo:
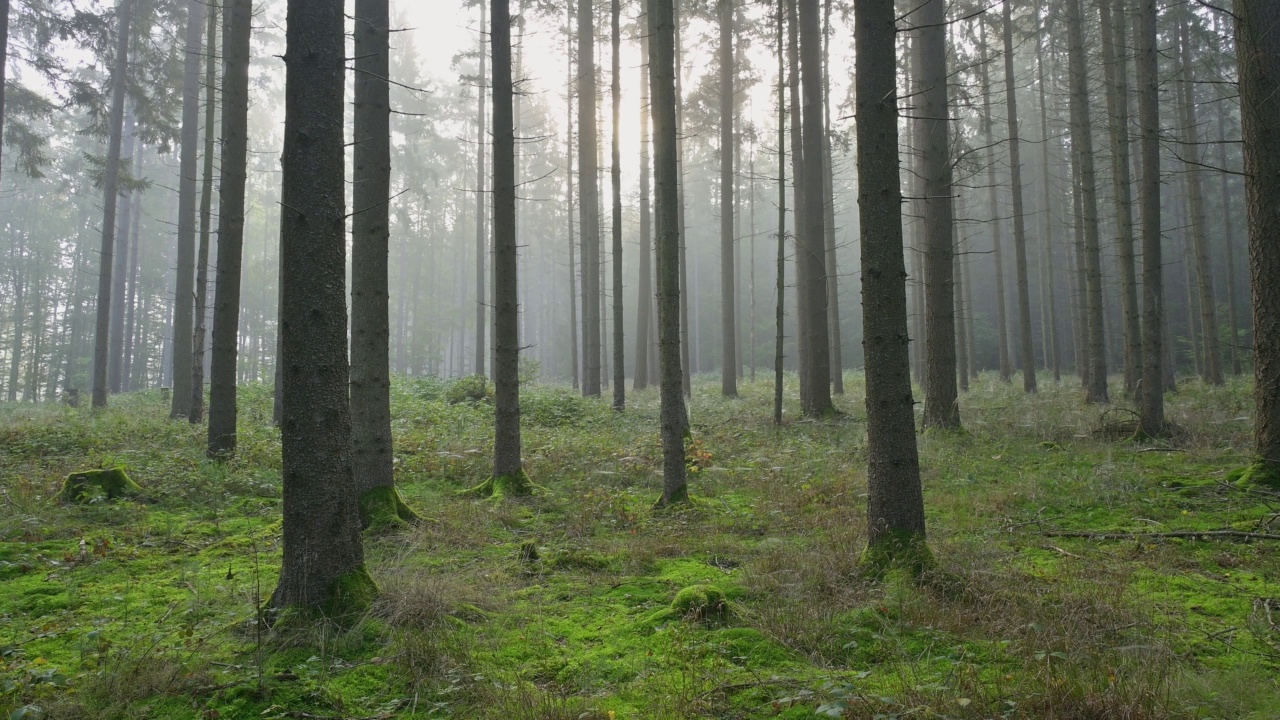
{"points": [[1266, 474], [702, 603], [516, 484], [113, 483], [383, 509]]}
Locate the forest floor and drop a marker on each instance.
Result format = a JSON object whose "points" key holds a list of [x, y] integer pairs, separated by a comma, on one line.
{"points": [[147, 608]]}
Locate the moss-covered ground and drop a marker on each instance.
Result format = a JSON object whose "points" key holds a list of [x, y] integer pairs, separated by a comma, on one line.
{"points": [[560, 605]]}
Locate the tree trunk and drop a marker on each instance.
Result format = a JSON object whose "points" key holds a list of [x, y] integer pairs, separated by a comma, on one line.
{"points": [[588, 201], [895, 501], [686, 364], [1082, 138], [1116, 68], [131, 300], [482, 234], [940, 408], [728, 324], [1019, 223], [813, 240], [1211, 367], [111, 185], [574, 351], [829, 213], [1228, 240], [615, 177], [184, 282], [1048, 297], [781, 285], [19, 321], [797, 197], [1258, 50], [124, 208], [644, 296], [323, 563], [206, 221], [662, 71], [4, 61], [1151, 393], [997, 224], [962, 310]]}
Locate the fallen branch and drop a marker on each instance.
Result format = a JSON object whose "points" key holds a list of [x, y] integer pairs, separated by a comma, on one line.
{"points": [[1239, 534]]}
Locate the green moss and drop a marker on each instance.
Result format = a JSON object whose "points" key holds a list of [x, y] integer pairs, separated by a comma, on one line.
{"points": [[515, 485], [702, 603], [382, 509], [352, 593], [113, 483], [898, 550], [1266, 474]]}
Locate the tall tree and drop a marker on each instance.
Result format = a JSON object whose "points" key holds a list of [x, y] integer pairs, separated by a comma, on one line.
{"points": [[568, 193], [1116, 69], [482, 235], [371, 444], [933, 132], [184, 283], [1151, 395], [206, 221], [781, 264], [323, 563], [728, 323], [1082, 144], [895, 499], [615, 178], [111, 185], [115, 363], [1211, 367], [813, 238], [644, 297], [4, 61], [1228, 237], [588, 200], [236, 28], [829, 211], [997, 223], [662, 83], [1019, 222], [1258, 51], [1048, 297]]}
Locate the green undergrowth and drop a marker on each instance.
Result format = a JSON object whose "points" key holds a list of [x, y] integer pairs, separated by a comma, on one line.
{"points": [[582, 601]]}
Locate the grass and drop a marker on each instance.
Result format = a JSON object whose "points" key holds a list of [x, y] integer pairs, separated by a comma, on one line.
{"points": [[559, 605]]}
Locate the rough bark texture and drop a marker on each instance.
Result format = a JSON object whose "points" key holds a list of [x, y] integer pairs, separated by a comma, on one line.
{"points": [[1211, 366], [615, 184], [508, 472], [895, 501], [111, 189], [1258, 50], [1082, 141], [662, 91], [236, 29], [184, 281], [728, 324], [934, 135], [322, 546], [1116, 69], [371, 445], [206, 220], [1019, 223], [588, 201], [644, 296], [812, 247], [1151, 390]]}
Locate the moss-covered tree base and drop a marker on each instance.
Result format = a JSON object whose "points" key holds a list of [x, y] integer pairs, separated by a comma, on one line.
{"points": [[113, 483], [898, 550], [383, 509], [703, 603], [1262, 473], [352, 593], [516, 484], [678, 499]]}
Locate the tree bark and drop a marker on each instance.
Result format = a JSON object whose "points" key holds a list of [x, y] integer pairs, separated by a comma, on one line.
{"points": [[574, 350], [1019, 222], [895, 500], [813, 240], [206, 221], [482, 234], [111, 189], [1229, 240], [1258, 51], [1151, 393], [829, 213], [728, 323], [323, 562], [184, 281], [997, 224], [120, 268], [644, 296], [615, 178], [940, 408], [588, 201], [1082, 139], [781, 263], [662, 71]]}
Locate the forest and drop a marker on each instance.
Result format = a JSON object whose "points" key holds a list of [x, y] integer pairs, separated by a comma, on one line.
{"points": [[573, 360]]}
